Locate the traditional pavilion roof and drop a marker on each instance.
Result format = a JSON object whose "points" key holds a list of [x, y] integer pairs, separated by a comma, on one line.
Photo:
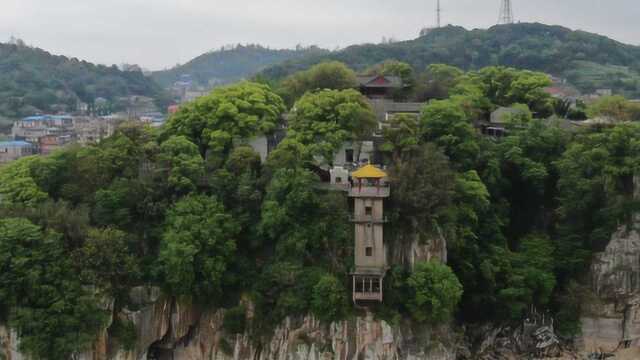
{"points": [[380, 81], [369, 172]]}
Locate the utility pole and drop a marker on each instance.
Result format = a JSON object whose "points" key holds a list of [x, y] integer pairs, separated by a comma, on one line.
{"points": [[506, 13]]}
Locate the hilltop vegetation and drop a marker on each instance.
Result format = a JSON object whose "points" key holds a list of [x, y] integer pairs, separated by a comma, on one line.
{"points": [[588, 61], [192, 210], [33, 80], [229, 65]]}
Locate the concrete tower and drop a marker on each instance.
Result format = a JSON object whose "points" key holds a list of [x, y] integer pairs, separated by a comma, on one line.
{"points": [[369, 192]]}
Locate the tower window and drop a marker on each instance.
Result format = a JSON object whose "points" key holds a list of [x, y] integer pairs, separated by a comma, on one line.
{"points": [[368, 251], [368, 210]]}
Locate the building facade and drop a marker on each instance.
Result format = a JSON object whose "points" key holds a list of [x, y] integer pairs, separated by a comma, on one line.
{"points": [[13, 150]]}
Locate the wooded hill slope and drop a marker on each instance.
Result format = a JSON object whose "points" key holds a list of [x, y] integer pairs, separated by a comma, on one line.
{"points": [[586, 60], [33, 80], [231, 65]]}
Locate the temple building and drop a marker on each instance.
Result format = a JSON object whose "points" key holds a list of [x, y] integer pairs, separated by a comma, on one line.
{"points": [[379, 86], [369, 190]]}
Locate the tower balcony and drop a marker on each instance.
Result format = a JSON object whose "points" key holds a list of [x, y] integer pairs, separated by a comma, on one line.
{"points": [[368, 191], [367, 285], [363, 219]]}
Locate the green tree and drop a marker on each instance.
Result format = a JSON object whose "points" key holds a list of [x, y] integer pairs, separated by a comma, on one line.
{"points": [[401, 137], [17, 185], [54, 314], [423, 188], [505, 86], [324, 120], [615, 108], [329, 301], [181, 160], [238, 111], [197, 245], [531, 280], [447, 125], [435, 292], [302, 224], [438, 80], [330, 75], [106, 260]]}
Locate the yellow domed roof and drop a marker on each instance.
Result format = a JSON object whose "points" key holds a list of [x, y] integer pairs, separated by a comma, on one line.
{"points": [[369, 172]]}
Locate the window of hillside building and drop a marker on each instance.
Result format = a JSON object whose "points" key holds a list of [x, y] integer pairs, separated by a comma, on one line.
{"points": [[348, 155], [368, 251]]}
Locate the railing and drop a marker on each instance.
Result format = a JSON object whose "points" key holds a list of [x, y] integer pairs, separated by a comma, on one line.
{"points": [[369, 191], [367, 296]]}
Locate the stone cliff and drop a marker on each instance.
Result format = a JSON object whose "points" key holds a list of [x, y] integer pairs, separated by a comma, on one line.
{"points": [[168, 329], [165, 329], [611, 322]]}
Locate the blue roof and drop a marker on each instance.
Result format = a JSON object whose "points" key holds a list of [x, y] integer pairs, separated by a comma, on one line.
{"points": [[47, 117], [35, 118], [9, 144]]}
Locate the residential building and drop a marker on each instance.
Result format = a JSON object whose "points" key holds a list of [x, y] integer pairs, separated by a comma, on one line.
{"points": [[13, 150], [32, 128], [50, 143]]}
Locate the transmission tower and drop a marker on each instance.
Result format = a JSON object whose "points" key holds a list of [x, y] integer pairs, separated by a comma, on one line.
{"points": [[506, 13], [439, 15]]}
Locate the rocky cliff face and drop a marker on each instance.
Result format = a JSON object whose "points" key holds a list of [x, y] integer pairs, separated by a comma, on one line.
{"points": [[612, 322], [166, 329]]}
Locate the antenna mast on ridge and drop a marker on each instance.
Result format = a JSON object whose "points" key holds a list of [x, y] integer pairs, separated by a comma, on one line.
{"points": [[439, 13], [506, 13]]}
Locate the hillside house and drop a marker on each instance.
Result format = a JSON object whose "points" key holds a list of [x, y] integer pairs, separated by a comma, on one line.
{"points": [[50, 143], [13, 150], [32, 128]]}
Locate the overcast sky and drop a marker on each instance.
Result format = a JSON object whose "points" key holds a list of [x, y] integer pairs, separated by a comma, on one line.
{"points": [[160, 33]]}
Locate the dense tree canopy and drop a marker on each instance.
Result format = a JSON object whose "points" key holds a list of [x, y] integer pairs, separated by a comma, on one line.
{"points": [[197, 246], [33, 81], [235, 112], [435, 292], [324, 120], [324, 76], [588, 61], [193, 209]]}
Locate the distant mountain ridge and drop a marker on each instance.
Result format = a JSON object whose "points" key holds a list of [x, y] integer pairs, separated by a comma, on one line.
{"points": [[32, 80], [229, 65], [588, 61]]}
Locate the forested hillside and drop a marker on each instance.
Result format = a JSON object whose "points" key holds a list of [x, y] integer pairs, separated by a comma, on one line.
{"points": [[33, 80], [588, 61], [193, 211], [229, 65]]}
